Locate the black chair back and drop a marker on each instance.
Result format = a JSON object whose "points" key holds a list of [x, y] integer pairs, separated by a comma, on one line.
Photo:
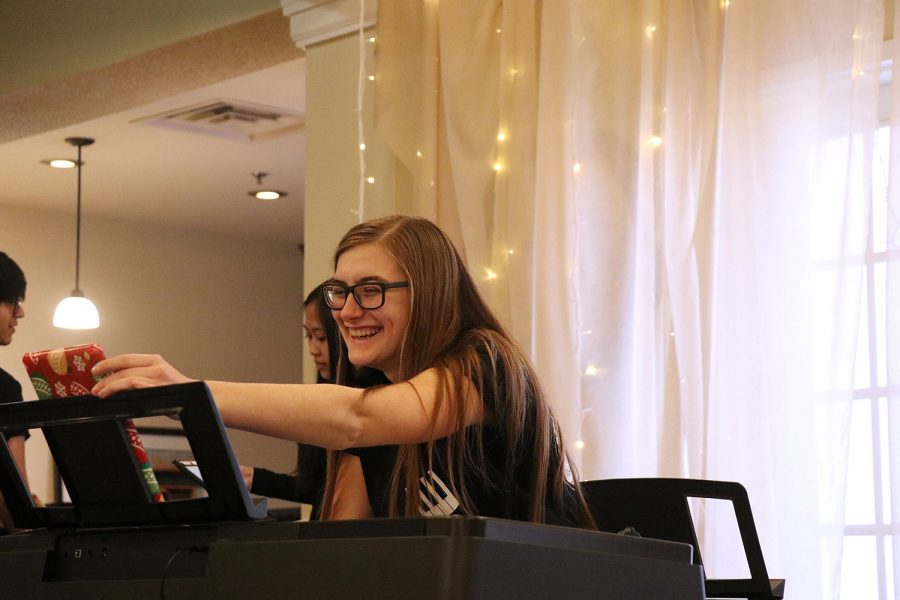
{"points": [[658, 508]]}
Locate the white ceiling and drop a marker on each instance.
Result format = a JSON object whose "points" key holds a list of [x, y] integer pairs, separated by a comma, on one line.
{"points": [[142, 173]]}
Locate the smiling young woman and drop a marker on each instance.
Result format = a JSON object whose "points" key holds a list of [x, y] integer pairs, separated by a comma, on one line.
{"points": [[463, 427], [494, 448]]}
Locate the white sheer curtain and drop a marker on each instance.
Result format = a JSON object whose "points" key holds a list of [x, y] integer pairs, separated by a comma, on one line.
{"points": [[669, 205], [890, 235]]}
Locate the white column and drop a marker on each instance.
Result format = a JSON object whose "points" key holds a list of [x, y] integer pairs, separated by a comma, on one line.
{"points": [[315, 21]]}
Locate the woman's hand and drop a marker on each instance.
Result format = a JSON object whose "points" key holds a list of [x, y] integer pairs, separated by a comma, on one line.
{"points": [[131, 371]]}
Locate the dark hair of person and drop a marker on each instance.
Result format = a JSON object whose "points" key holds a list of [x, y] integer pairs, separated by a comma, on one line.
{"points": [[469, 344], [12, 280], [311, 459], [332, 333]]}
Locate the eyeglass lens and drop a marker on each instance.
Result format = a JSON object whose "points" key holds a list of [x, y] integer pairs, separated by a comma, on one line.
{"points": [[367, 295]]}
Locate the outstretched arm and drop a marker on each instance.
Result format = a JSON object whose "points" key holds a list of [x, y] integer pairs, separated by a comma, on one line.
{"points": [[330, 416]]}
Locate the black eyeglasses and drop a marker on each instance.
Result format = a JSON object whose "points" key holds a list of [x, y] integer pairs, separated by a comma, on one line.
{"points": [[16, 304], [368, 295]]}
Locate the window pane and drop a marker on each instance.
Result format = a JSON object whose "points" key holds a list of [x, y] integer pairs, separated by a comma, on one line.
{"points": [[860, 496], [830, 294], [885, 459], [861, 375], [879, 188], [889, 566], [880, 269], [859, 569], [839, 211]]}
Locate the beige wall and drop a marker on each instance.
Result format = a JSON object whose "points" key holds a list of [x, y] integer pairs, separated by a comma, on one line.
{"points": [[215, 306]]}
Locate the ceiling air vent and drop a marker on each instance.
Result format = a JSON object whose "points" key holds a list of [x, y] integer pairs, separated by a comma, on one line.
{"points": [[241, 121]]}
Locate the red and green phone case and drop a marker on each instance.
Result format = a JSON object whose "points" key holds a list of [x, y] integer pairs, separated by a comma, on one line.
{"points": [[64, 372]]}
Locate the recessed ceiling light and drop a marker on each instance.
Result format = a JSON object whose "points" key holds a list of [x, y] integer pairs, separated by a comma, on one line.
{"points": [[60, 163], [268, 194]]}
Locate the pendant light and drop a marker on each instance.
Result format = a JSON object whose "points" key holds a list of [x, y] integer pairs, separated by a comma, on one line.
{"points": [[76, 311]]}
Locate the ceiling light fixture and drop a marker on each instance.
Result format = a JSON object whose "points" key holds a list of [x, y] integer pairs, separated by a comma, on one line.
{"points": [[76, 311], [59, 163], [264, 194]]}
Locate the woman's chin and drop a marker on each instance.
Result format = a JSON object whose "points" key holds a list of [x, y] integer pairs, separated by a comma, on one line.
{"points": [[357, 358]]}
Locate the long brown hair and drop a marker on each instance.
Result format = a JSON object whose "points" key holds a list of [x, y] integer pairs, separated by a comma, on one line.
{"points": [[451, 329]]}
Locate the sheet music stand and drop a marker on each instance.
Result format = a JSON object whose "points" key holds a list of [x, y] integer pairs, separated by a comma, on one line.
{"points": [[658, 508], [94, 458]]}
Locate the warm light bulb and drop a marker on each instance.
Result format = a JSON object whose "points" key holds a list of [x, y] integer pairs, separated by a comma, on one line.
{"points": [[579, 444], [656, 141], [76, 312], [576, 168], [649, 30], [362, 146], [371, 78], [267, 195], [370, 179], [61, 163], [498, 166], [591, 370], [501, 137], [490, 274]]}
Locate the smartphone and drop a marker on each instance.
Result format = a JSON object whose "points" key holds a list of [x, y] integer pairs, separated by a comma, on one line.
{"points": [[66, 372], [63, 372], [190, 468]]}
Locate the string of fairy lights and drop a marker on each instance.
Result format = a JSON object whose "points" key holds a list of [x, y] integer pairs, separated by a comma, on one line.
{"points": [[577, 181], [360, 103], [364, 78], [505, 136]]}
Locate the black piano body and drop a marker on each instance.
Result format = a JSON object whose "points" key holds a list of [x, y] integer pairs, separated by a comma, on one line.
{"points": [[116, 543], [445, 558]]}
